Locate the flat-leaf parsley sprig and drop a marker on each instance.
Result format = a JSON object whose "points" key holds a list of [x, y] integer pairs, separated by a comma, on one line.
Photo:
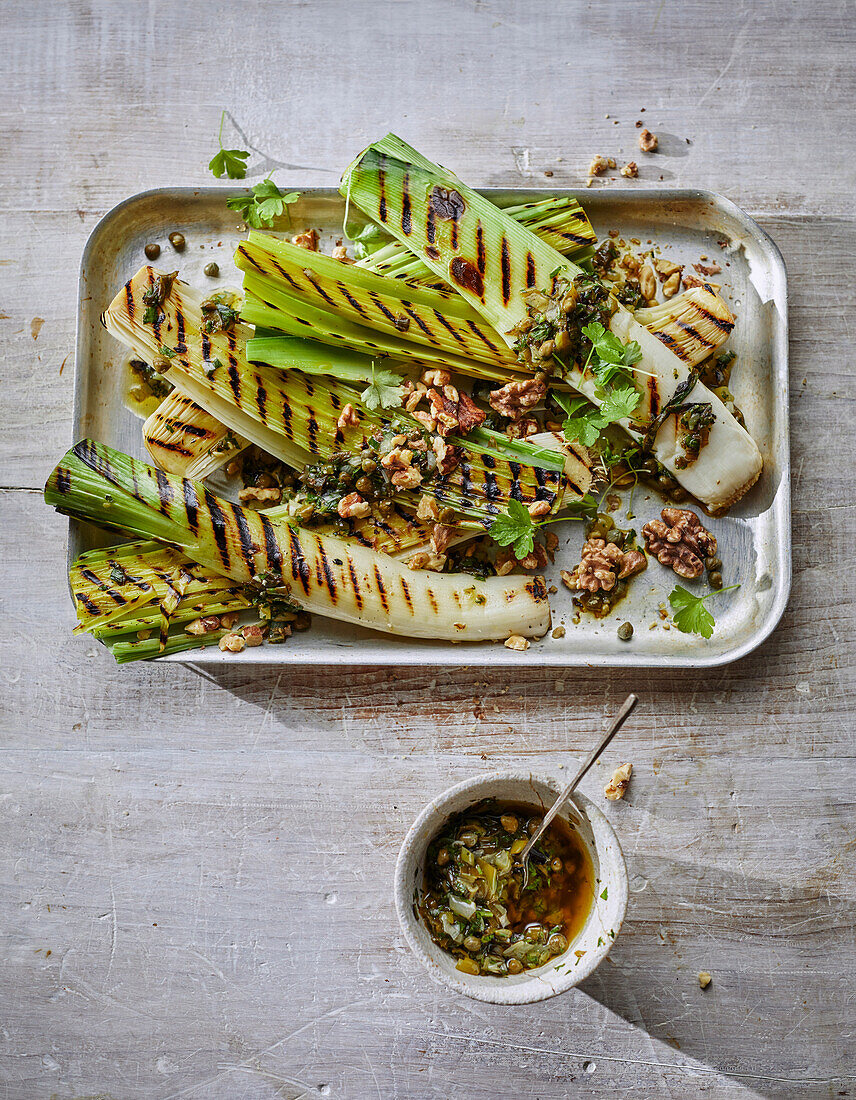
{"points": [[515, 528], [228, 162], [691, 616], [385, 391], [263, 205]]}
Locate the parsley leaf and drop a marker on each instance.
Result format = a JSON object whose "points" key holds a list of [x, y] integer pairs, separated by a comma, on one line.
{"points": [[604, 893], [264, 203], [385, 391], [229, 162], [514, 528], [619, 403], [691, 616]]}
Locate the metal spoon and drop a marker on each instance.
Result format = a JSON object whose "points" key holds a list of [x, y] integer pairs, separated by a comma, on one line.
{"points": [[622, 716]]}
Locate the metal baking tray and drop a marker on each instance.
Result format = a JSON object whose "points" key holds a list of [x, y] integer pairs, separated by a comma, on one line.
{"points": [[754, 538]]}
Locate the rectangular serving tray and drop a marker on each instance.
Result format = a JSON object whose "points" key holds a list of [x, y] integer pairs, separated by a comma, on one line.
{"points": [[754, 538]]}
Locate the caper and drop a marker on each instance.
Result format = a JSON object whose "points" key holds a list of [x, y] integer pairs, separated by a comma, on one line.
{"points": [[469, 838], [557, 943], [568, 303], [556, 864], [363, 485], [651, 466], [678, 494], [515, 966], [302, 620], [177, 241], [212, 270], [443, 857], [152, 251], [606, 522], [712, 564], [563, 340], [368, 465], [615, 537], [546, 349], [472, 943], [715, 580], [666, 481], [596, 531], [693, 442], [534, 934], [467, 965], [509, 822], [625, 632], [532, 824]]}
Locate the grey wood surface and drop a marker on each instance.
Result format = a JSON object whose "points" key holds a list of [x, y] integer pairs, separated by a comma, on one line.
{"points": [[195, 871]]}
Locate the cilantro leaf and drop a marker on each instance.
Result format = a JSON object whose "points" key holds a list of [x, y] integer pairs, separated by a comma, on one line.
{"points": [[229, 162], [385, 391], [691, 616], [263, 205], [619, 403], [514, 528]]}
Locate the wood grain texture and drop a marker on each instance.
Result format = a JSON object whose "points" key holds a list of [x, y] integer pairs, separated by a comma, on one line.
{"points": [[182, 914]]}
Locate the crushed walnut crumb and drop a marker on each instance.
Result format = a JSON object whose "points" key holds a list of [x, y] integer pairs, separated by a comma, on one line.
{"points": [[630, 170], [353, 506], [617, 786], [559, 632], [231, 643], [708, 269], [648, 142], [308, 239], [262, 497], [600, 164], [516, 641], [704, 979]]}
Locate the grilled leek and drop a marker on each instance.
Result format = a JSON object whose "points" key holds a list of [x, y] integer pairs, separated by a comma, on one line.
{"points": [[323, 574], [184, 439], [496, 265]]}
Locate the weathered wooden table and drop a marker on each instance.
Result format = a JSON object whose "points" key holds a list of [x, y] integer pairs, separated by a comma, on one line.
{"points": [[196, 871]]}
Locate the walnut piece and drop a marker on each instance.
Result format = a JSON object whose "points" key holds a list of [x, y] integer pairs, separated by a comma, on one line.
{"points": [[516, 641], [648, 142], [255, 495], [254, 635], [538, 508], [521, 429], [206, 625], [516, 398], [308, 240], [672, 285], [630, 170], [341, 253], [454, 411], [448, 456], [665, 268], [704, 979], [617, 786], [232, 643], [708, 269], [679, 540], [441, 537], [602, 563], [647, 283], [424, 560], [353, 506], [600, 164], [347, 417], [536, 560]]}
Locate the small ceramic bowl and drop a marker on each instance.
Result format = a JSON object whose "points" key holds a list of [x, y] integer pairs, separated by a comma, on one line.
{"points": [[597, 935]]}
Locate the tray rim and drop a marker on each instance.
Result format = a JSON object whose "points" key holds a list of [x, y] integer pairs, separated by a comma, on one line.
{"points": [[425, 656]]}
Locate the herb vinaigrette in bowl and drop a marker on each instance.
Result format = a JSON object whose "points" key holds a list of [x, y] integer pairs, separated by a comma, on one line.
{"points": [[474, 905]]}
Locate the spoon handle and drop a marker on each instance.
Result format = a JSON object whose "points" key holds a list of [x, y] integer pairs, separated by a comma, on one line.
{"points": [[622, 716]]}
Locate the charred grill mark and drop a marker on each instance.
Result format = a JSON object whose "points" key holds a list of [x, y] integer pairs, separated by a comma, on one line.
{"points": [[671, 343], [63, 481], [320, 289], [328, 574], [505, 263], [537, 589], [286, 419], [299, 567], [515, 490], [381, 185], [335, 400], [478, 332], [261, 399], [245, 538], [206, 346], [129, 300], [406, 591], [285, 275], [491, 489], [382, 309], [467, 275], [191, 505], [243, 252], [481, 255], [235, 382], [694, 333], [454, 236], [432, 599], [430, 226], [309, 388], [218, 526], [543, 491], [179, 320], [381, 589], [573, 238], [92, 608], [168, 445], [466, 483], [351, 300], [720, 322], [93, 578], [272, 551], [164, 491], [654, 394], [449, 328], [530, 270], [312, 434], [489, 461], [406, 217], [432, 253], [358, 596]]}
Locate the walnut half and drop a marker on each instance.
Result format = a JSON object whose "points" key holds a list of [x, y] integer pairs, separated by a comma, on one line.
{"points": [[602, 563], [617, 786], [679, 540]]}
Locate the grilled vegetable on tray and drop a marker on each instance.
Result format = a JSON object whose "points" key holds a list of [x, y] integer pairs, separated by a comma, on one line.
{"points": [[399, 418]]}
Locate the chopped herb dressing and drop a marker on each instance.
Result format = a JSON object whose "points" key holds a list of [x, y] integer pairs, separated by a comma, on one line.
{"points": [[474, 904]]}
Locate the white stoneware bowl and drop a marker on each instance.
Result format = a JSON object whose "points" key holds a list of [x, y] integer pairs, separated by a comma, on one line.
{"points": [[597, 935]]}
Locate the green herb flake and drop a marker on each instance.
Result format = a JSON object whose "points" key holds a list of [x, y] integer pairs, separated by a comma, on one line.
{"points": [[691, 616], [150, 315], [604, 893], [168, 353]]}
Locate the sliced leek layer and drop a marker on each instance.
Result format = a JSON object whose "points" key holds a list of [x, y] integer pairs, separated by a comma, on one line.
{"points": [[693, 324], [184, 439], [325, 575], [492, 260]]}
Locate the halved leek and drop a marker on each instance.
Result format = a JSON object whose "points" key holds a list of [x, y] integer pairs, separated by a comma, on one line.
{"points": [[184, 439], [492, 260], [693, 324], [323, 574]]}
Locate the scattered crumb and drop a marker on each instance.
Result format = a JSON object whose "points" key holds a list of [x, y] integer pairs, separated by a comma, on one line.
{"points": [[516, 641], [630, 170], [708, 269], [600, 164], [704, 979], [648, 142], [559, 632], [617, 786], [548, 172]]}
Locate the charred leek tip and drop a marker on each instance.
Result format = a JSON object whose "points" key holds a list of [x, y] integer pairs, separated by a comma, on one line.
{"points": [[323, 574]]}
